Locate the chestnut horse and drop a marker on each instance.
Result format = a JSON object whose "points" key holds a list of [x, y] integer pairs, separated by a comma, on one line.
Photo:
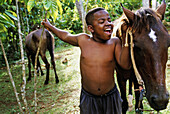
{"points": [[47, 43], [151, 42]]}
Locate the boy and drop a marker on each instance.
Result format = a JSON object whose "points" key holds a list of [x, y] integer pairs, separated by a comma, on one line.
{"points": [[99, 54]]}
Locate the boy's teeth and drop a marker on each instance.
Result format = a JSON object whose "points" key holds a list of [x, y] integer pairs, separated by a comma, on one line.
{"points": [[107, 29]]}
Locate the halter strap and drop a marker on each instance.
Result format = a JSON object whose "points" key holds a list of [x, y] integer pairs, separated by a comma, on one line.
{"points": [[138, 76]]}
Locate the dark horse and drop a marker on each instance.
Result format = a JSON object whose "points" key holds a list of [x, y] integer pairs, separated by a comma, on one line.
{"points": [[151, 42], [31, 45]]}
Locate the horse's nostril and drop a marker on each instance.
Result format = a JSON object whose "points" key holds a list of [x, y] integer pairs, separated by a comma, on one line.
{"points": [[167, 95], [160, 100], [153, 98]]}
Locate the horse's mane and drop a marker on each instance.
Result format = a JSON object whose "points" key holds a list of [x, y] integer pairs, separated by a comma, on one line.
{"points": [[118, 25], [144, 18]]}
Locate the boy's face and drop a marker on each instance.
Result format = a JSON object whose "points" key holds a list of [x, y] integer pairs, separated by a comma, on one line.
{"points": [[102, 26]]}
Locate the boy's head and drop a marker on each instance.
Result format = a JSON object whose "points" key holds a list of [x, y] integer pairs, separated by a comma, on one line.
{"points": [[99, 24], [89, 17]]}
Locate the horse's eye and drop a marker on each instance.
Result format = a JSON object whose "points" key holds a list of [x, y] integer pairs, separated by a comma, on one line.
{"points": [[134, 41], [137, 48]]}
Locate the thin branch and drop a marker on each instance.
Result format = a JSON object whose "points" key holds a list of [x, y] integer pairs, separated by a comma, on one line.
{"points": [[11, 78], [35, 76], [22, 58]]}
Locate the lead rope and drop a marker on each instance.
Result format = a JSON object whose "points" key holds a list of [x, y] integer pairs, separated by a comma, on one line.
{"points": [[138, 76]]}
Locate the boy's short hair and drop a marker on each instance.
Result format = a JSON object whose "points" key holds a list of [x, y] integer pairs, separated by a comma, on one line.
{"points": [[89, 15]]}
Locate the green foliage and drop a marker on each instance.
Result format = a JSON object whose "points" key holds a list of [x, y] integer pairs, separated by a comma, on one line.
{"points": [[30, 5], [7, 25], [113, 6], [167, 13], [54, 6], [11, 14], [3, 1], [54, 9], [74, 26], [2, 28], [6, 21]]}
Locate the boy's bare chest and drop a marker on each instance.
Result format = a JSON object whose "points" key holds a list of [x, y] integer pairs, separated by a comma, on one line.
{"points": [[97, 53]]}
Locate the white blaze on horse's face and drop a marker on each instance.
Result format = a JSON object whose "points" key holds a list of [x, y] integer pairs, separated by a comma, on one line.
{"points": [[152, 35]]}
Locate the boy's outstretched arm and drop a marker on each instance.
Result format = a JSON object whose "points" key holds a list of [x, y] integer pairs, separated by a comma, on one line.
{"points": [[63, 35]]}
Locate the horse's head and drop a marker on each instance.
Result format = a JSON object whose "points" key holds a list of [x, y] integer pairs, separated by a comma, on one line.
{"points": [[151, 42]]}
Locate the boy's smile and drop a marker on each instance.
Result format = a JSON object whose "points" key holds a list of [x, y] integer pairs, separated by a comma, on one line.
{"points": [[108, 31]]}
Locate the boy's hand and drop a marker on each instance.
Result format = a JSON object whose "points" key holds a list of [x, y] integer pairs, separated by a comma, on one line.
{"points": [[46, 23]]}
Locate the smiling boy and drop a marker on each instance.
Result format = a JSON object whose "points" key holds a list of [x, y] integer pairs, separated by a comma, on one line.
{"points": [[99, 54]]}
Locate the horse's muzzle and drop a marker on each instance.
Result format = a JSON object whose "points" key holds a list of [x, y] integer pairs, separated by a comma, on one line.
{"points": [[159, 102]]}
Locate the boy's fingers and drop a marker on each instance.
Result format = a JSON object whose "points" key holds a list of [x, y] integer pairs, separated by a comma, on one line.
{"points": [[44, 20], [42, 23]]}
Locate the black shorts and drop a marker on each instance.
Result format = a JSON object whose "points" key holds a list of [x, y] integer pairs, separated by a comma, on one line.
{"points": [[109, 103]]}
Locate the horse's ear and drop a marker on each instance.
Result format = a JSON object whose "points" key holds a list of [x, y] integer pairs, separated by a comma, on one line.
{"points": [[129, 14], [161, 9]]}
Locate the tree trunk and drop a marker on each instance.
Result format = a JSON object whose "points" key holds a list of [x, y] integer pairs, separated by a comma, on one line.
{"points": [[21, 19], [11, 78], [23, 62], [145, 3], [82, 13], [154, 4]]}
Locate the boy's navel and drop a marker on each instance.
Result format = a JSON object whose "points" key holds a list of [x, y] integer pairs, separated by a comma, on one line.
{"points": [[98, 89]]}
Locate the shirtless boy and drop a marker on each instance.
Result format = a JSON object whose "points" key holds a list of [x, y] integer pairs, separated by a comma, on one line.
{"points": [[99, 54]]}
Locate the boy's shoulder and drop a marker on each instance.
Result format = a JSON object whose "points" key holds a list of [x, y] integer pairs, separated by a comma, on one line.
{"points": [[84, 36], [115, 39]]}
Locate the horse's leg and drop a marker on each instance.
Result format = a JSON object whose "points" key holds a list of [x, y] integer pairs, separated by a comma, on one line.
{"points": [[33, 62], [47, 65], [53, 63], [29, 67], [51, 50], [122, 86], [39, 66], [130, 96], [130, 87]]}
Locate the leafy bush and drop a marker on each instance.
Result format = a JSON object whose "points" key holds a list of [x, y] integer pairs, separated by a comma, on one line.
{"points": [[167, 13]]}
